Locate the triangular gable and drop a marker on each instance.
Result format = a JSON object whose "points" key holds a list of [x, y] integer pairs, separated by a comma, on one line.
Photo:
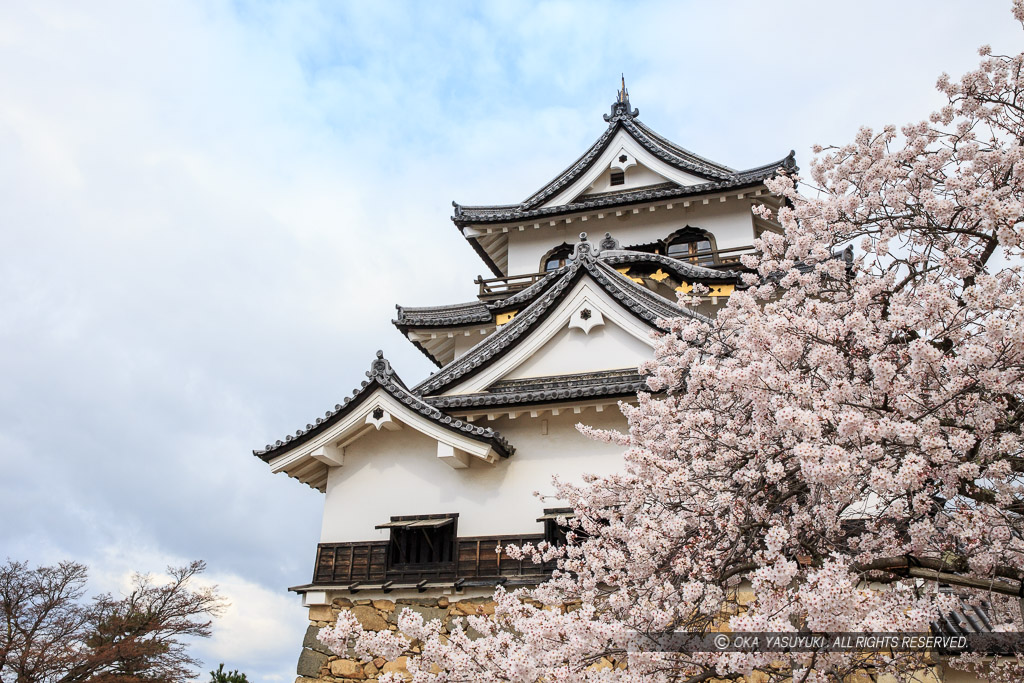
{"points": [[639, 162], [623, 121], [380, 403], [623, 300], [589, 331]]}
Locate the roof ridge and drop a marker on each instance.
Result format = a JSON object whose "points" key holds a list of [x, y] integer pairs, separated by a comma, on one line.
{"points": [[383, 376], [679, 148], [786, 163], [643, 303], [550, 389], [681, 267], [685, 158], [569, 173]]}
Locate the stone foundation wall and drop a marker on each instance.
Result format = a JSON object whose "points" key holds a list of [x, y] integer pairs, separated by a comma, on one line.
{"points": [[317, 663]]}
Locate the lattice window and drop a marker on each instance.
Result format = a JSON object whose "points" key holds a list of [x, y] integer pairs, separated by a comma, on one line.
{"points": [[693, 245], [421, 540]]}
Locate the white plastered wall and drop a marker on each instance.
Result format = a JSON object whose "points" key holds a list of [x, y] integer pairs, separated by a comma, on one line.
{"points": [[731, 222], [572, 351], [635, 178], [464, 343], [622, 144], [398, 473]]}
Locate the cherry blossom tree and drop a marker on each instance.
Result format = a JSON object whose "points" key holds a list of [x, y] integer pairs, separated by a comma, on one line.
{"points": [[839, 450]]}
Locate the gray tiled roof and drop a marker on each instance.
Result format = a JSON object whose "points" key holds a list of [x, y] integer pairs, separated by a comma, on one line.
{"points": [[718, 177], [467, 313], [380, 375], [968, 619], [467, 215], [443, 316], [453, 315], [683, 269], [975, 622], [682, 152], [642, 302], [548, 389]]}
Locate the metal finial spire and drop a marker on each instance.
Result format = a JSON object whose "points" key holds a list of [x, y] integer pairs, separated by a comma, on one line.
{"points": [[621, 106]]}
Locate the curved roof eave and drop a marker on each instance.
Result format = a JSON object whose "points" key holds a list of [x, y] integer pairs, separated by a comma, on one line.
{"points": [[497, 214], [381, 376], [641, 302], [621, 118], [474, 313]]}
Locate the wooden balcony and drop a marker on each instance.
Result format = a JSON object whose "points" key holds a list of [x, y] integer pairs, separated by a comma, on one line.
{"points": [[367, 565], [722, 259]]}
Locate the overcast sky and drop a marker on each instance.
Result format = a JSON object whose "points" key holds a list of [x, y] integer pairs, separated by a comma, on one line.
{"points": [[208, 211]]}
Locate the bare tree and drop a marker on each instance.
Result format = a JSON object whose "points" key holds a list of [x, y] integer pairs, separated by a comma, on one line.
{"points": [[43, 619], [51, 634]]}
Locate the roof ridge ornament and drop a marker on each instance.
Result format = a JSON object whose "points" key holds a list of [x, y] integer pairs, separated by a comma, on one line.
{"points": [[620, 107], [380, 368], [609, 243], [583, 251], [789, 164], [588, 251]]}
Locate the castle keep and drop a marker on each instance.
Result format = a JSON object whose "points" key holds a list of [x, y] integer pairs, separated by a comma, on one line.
{"points": [[581, 272]]}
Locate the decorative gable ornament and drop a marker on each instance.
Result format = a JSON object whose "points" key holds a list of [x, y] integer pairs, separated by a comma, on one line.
{"points": [[586, 318], [623, 161], [381, 419]]}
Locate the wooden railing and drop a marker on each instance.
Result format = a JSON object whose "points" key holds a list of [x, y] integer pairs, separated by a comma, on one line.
{"points": [[366, 565], [501, 287], [717, 259]]}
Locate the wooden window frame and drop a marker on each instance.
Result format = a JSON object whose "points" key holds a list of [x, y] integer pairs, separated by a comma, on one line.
{"points": [[562, 252], [415, 547], [554, 533], [693, 236]]}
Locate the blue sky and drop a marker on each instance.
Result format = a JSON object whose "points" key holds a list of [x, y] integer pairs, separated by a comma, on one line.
{"points": [[209, 210]]}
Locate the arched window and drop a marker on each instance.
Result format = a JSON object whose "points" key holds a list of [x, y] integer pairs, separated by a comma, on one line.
{"points": [[556, 258], [693, 245]]}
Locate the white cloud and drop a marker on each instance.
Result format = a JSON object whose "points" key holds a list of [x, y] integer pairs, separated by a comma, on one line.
{"points": [[261, 630]]}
